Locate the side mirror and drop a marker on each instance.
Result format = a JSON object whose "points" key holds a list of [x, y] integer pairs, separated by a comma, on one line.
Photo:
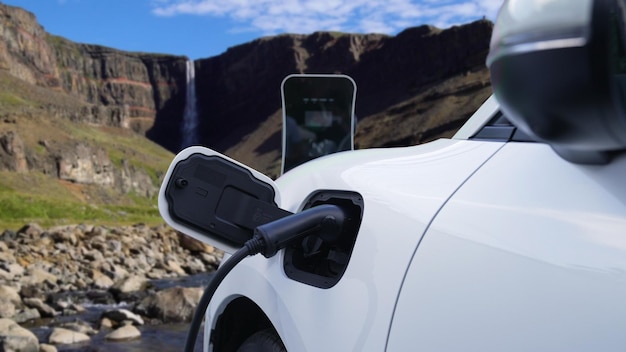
{"points": [[318, 117], [216, 199], [558, 70]]}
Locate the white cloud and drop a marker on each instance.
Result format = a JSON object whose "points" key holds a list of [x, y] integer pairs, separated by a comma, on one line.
{"points": [[306, 16]]}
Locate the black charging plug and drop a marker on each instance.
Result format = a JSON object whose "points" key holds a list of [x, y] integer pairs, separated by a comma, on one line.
{"points": [[326, 221]]}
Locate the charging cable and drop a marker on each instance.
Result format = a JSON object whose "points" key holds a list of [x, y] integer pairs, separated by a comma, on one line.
{"points": [[325, 220]]}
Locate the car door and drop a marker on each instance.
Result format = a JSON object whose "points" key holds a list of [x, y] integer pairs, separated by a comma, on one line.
{"points": [[528, 255]]}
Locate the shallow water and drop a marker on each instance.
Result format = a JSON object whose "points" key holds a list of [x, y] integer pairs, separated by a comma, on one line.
{"points": [[165, 337]]}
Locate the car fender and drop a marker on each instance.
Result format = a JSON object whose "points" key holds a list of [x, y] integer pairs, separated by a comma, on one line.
{"points": [[403, 189]]}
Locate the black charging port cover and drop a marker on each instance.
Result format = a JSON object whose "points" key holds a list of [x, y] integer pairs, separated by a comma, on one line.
{"points": [[220, 198]]}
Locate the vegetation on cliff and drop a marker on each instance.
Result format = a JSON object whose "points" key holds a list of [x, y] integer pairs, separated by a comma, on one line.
{"points": [[33, 188]]}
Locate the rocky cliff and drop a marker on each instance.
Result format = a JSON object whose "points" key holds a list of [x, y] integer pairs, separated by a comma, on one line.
{"points": [[142, 92], [413, 87], [74, 112]]}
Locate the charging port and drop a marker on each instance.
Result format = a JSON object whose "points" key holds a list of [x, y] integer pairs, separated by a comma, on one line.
{"points": [[318, 261]]}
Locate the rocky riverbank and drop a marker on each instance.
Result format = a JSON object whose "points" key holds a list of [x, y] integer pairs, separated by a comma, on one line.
{"points": [[54, 273]]}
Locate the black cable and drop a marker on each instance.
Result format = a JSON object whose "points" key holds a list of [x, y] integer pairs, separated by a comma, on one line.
{"points": [[268, 239], [251, 247]]}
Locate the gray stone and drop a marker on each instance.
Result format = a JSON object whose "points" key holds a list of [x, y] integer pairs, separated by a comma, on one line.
{"points": [[9, 272], [65, 236], [120, 315], [106, 323], [61, 336], [15, 338], [31, 230], [126, 332], [44, 309], [130, 284], [100, 280], [35, 276], [210, 259], [10, 294], [156, 274], [194, 245], [30, 291], [194, 266], [174, 266], [27, 315], [176, 304], [93, 256], [80, 326], [44, 347], [7, 257], [116, 272], [7, 308]]}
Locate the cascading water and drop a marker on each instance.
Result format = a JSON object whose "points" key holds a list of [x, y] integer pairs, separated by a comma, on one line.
{"points": [[190, 117]]}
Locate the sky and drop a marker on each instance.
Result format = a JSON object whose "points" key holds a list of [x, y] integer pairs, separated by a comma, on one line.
{"points": [[204, 28]]}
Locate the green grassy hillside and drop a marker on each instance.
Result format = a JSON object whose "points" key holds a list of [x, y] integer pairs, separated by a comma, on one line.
{"points": [[39, 195]]}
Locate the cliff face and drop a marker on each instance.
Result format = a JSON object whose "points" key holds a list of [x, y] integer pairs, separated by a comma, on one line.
{"points": [[239, 91], [142, 92], [69, 110]]}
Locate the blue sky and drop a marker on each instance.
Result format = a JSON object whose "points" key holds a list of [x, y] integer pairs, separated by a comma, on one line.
{"points": [[204, 28]]}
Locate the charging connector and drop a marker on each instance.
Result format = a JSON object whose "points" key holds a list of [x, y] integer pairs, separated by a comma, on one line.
{"points": [[325, 221]]}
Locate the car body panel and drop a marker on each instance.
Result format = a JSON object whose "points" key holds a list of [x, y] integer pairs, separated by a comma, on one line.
{"points": [[529, 255], [402, 190]]}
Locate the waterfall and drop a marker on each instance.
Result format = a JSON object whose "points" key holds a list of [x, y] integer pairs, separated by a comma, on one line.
{"points": [[190, 117]]}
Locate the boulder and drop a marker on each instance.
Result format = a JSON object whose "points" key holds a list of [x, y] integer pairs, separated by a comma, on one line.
{"points": [[31, 230], [61, 336], [100, 297], [6, 256], [27, 315], [101, 281], [7, 308], [176, 304], [44, 347], [194, 266], [130, 284], [173, 266], [106, 323], [33, 291], [79, 326], [10, 294], [36, 276], [126, 332], [44, 309], [15, 338], [9, 272], [121, 315], [118, 272], [210, 259], [193, 245], [7, 235]]}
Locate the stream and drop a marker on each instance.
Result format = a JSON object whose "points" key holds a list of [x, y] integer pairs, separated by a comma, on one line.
{"points": [[163, 337]]}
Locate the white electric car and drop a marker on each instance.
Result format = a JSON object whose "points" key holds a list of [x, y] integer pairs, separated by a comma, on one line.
{"points": [[510, 236]]}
